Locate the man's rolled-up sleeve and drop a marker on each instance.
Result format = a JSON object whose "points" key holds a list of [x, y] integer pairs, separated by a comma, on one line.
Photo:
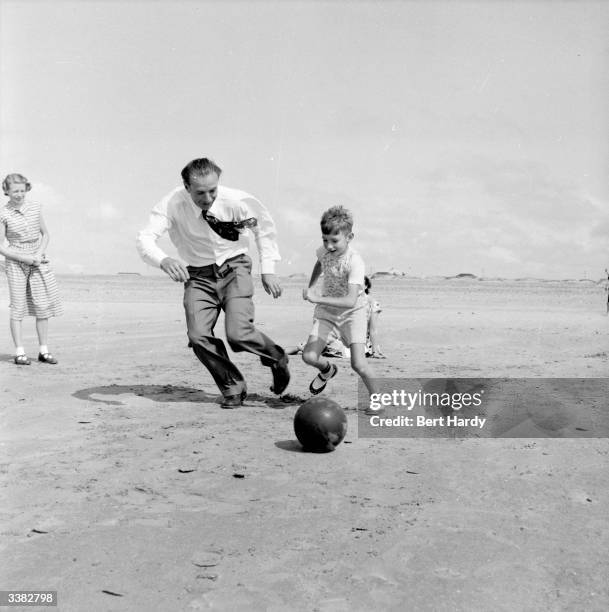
{"points": [[146, 240], [265, 234]]}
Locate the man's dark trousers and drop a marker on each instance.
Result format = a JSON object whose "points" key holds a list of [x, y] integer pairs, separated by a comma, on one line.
{"points": [[228, 287]]}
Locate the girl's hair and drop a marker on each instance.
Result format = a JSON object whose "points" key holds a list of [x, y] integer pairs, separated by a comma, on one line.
{"points": [[14, 178], [200, 167], [336, 219], [367, 285]]}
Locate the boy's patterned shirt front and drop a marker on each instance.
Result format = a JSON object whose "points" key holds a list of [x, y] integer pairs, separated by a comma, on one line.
{"points": [[339, 271]]}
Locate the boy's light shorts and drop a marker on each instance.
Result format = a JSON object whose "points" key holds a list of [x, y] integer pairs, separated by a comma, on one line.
{"points": [[350, 326]]}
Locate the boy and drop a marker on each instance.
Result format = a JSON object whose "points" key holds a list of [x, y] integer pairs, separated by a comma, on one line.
{"points": [[342, 305]]}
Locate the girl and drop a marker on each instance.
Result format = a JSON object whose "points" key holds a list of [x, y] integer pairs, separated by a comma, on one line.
{"points": [[31, 282]]}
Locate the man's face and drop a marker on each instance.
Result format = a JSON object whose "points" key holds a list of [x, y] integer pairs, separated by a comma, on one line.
{"points": [[203, 190], [336, 242]]}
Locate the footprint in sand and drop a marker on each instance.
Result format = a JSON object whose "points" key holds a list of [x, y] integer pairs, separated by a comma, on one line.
{"points": [[208, 560]]}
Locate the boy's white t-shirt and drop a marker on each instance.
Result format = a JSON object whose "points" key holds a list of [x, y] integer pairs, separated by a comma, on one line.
{"points": [[341, 271], [348, 323]]}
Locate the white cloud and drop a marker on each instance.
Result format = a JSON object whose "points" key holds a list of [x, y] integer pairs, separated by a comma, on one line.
{"points": [[105, 211], [502, 254], [50, 199]]}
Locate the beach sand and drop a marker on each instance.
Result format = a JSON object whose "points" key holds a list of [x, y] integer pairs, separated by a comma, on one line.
{"points": [[126, 487]]}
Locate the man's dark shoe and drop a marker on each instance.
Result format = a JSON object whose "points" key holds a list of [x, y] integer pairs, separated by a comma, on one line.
{"points": [[281, 375], [233, 401]]}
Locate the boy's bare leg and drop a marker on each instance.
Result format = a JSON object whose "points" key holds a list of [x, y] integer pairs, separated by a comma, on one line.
{"points": [[311, 354], [360, 365]]}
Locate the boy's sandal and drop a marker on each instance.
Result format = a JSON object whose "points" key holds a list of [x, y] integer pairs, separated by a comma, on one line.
{"points": [[22, 360], [46, 358], [318, 384]]}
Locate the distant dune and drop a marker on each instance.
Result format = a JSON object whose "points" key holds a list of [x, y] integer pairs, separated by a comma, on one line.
{"points": [[387, 273], [464, 275]]}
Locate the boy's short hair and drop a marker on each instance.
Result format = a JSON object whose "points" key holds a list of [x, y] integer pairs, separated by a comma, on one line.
{"points": [[336, 219], [199, 167], [15, 178]]}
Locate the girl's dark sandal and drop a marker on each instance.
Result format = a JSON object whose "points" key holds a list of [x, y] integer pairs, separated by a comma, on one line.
{"points": [[46, 358]]}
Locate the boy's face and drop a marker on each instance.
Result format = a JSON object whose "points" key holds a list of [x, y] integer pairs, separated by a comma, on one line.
{"points": [[337, 242]]}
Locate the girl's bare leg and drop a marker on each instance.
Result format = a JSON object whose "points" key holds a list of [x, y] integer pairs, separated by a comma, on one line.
{"points": [[42, 327], [16, 332]]}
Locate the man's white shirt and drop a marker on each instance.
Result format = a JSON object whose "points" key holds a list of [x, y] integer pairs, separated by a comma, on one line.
{"points": [[197, 244]]}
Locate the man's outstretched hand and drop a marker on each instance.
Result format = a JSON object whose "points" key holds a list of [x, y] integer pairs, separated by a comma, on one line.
{"points": [[175, 270], [271, 284]]}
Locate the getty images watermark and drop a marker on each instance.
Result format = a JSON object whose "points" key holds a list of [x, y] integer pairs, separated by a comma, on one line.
{"points": [[485, 407], [427, 400]]}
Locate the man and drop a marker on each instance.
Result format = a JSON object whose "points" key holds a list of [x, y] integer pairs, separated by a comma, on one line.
{"points": [[207, 223]]}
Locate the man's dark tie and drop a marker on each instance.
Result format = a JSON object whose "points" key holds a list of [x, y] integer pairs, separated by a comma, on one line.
{"points": [[229, 230]]}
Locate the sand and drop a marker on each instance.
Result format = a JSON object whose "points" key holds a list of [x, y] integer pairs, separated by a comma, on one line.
{"points": [[126, 487]]}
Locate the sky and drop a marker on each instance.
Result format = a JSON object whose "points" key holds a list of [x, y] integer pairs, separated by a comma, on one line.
{"points": [[466, 137]]}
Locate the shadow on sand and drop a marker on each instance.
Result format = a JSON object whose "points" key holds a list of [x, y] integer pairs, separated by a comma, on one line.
{"points": [[157, 393], [290, 445], [171, 393]]}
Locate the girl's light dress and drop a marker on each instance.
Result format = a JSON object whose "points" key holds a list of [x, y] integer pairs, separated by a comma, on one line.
{"points": [[33, 289]]}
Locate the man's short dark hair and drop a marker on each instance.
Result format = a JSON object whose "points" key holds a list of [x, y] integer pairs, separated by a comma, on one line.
{"points": [[200, 167]]}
